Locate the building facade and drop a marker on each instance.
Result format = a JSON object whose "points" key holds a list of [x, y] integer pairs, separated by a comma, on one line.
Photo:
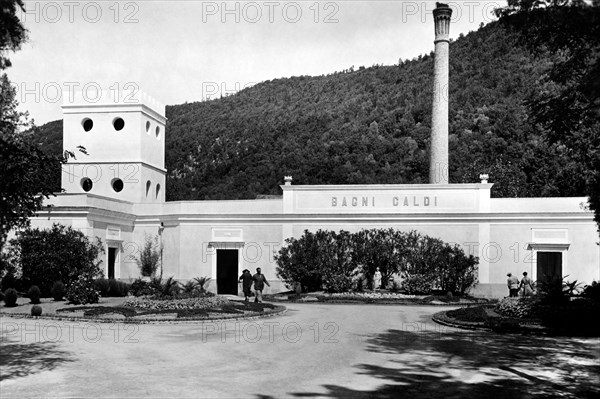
{"points": [[117, 193]]}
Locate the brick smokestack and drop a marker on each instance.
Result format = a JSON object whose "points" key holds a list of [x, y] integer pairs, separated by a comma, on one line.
{"points": [[438, 163]]}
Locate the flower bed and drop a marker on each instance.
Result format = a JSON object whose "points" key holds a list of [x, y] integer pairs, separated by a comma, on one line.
{"points": [[163, 309], [517, 307], [375, 297], [368, 295], [175, 304]]}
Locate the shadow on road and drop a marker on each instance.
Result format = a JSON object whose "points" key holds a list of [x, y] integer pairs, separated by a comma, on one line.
{"points": [[444, 364], [19, 359]]}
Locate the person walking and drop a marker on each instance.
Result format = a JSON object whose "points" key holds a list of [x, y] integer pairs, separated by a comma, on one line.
{"points": [[526, 285], [259, 284], [246, 280], [513, 285]]}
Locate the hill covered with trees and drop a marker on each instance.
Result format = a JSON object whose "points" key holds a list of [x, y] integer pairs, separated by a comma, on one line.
{"points": [[371, 125]]}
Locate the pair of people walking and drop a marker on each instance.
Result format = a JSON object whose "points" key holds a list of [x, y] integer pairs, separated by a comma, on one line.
{"points": [[259, 281], [514, 285]]}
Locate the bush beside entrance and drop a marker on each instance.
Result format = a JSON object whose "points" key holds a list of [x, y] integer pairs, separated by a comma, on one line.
{"points": [[342, 261]]}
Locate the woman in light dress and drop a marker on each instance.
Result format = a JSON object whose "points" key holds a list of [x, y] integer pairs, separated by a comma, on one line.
{"points": [[526, 286], [377, 280]]}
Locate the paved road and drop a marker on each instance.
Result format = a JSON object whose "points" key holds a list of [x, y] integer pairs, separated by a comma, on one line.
{"points": [[330, 351]]}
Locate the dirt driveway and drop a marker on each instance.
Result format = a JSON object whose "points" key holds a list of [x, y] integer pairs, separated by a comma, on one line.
{"points": [[313, 350]]}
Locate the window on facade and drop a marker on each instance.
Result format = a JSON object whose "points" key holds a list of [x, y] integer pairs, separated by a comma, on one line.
{"points": [[118, 124], [86, 184], [87, 124], [117, 185]]}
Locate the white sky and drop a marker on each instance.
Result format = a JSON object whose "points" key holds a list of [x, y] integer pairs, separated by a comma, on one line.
{"points": [[180, 51]]}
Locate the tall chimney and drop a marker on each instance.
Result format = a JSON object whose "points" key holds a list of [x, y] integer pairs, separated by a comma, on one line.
{"points": [[438, 163]]}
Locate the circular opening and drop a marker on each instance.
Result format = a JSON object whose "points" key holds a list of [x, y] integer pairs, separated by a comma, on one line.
{"points": [[157, 190], [118, 124], [86, 184], [87, 124], [157, 132], [148, 127], [148, 184], [117, 184]]}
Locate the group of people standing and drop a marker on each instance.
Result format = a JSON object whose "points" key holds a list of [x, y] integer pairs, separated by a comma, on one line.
{"points": [[514, 285], [259, 281]]}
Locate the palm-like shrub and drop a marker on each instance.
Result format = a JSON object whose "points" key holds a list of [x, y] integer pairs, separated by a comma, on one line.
{"points": [[189, 287], [554, 290], [202, 282], [168, 288], [592, 291]]}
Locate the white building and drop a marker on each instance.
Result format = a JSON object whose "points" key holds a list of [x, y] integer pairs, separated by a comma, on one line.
{"points": [[118, 194]]}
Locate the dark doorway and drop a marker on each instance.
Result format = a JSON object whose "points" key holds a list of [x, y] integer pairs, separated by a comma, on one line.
{"points": [[112, 257], [227, 271], [549, 265]]}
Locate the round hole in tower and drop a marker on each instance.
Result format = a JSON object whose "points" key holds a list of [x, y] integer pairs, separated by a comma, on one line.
{"points": [[86, 184], [157, 132], [87, 124], [118, 124], [117, 184], [148, 127]]}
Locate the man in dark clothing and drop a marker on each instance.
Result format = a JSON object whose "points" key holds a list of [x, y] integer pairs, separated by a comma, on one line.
{"points": [[259, 284], [513, 285], [246, 279]]}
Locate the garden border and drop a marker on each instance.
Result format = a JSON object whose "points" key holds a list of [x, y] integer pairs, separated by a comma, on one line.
{"points": [[525, 328], [278, 310]]}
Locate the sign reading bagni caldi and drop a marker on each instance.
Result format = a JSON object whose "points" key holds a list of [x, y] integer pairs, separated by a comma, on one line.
{"points": [[398, 201]]}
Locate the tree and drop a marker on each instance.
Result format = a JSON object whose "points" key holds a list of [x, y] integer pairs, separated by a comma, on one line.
{"points": [[23, 186], [25, 183], [336, 260], [297, 262], [568, 107], [56, 254], [380, 248], [12, 31], [149, 257]]}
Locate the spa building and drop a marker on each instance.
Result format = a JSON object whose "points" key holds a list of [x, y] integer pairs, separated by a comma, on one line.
{"points": [[117, 193]]}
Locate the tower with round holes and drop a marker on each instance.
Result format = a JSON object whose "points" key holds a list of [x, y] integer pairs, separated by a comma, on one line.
{"points": [[123, 134]]}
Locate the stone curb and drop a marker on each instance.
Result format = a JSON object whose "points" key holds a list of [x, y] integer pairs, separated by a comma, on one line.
{"points": [[274, 312], [357, 302], [443, 319]]}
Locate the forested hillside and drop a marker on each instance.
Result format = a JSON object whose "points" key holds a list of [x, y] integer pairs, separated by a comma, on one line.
{"points": [[370, 125]]}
